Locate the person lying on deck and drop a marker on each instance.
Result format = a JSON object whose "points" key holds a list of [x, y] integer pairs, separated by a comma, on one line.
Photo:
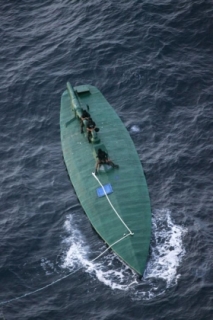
{"points": [[103, 159]]}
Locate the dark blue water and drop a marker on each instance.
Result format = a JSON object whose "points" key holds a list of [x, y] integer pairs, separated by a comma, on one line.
{"points": [[153, 62]]}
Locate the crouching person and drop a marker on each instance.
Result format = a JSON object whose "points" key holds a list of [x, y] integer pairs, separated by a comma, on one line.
{"points": [[91, 126], [84, 117], [102, 158]]}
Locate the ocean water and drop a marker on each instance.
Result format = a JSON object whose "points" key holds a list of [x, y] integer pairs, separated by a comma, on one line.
{"points": [[153, 62]]}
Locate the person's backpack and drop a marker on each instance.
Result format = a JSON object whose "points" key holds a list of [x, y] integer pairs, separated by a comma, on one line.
{"points": [[90, 124], [102, 155], [85, 114]]}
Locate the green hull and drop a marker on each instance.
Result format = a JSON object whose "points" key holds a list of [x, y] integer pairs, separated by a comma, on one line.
{"points": [[130, 197]]}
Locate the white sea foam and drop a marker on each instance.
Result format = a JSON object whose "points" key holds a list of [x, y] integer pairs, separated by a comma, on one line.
{"points": [[48, 266], [77, 256], [135, 128], [166, 255], [167, 248], [77, 248]]}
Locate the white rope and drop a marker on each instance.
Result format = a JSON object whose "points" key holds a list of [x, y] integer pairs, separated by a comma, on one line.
{"points": [[58, 280], [69, 274], [131, 233], [40, 289], [112, 246]]}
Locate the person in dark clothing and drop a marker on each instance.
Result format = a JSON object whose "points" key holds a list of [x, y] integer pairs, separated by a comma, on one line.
{"points": [[103, 159], [85, 116], [90, 127]]}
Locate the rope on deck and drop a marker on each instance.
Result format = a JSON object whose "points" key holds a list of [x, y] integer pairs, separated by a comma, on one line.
{"points": [[131, 233]]}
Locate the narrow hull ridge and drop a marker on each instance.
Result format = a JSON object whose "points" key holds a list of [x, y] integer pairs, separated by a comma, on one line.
{"points": [[116, 201]]}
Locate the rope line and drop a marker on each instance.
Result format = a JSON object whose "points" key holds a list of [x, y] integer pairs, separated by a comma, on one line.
{"points": [[109, 247], [69, 274], [40, 289], [112, 204], [60, 279]]}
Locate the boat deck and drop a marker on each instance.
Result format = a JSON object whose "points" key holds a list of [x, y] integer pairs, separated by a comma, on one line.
{"points": [[130, 196]]}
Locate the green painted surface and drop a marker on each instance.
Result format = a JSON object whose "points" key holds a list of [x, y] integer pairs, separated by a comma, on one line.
{"points": [[130, 195]]}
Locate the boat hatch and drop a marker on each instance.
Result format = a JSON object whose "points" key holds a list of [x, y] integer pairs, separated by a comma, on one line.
{"points": [[102, 191], [82, 89]]}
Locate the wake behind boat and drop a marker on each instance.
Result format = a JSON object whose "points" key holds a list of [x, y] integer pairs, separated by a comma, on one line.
{"points": [[116, 201]]}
